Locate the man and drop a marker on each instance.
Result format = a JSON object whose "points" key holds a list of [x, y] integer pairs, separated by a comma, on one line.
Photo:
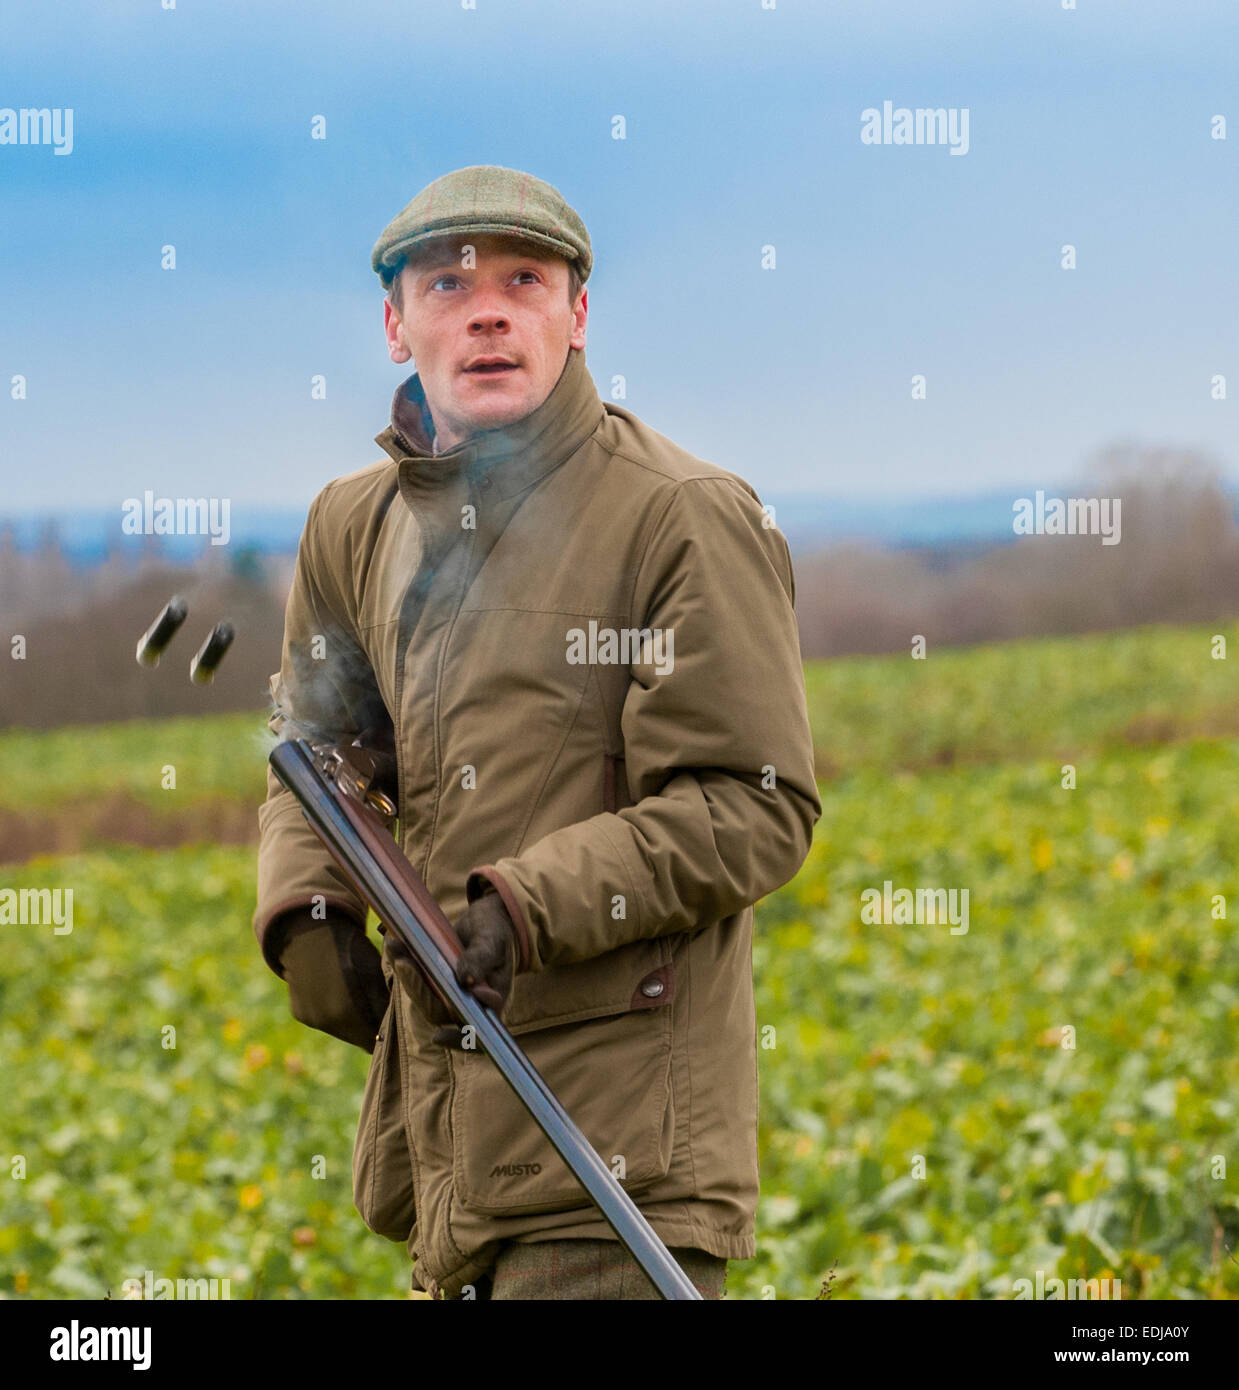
{"points": [[580, 641]]}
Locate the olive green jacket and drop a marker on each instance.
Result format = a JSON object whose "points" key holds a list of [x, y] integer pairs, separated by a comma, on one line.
{"points": [[629, 797]]}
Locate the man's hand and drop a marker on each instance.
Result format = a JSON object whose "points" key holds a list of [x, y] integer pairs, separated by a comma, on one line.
{"points": [[485, 968], [335, 976]]}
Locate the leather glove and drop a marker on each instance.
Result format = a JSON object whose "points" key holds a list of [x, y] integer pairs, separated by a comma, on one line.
{"points": [[335, 976], [485, 968]]}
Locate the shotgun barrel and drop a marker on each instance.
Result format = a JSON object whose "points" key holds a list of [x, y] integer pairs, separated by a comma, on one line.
{"points": [[334, 799]]}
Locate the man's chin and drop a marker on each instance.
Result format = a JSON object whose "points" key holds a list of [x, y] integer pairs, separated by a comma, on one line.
{"points": [[494, 414]]}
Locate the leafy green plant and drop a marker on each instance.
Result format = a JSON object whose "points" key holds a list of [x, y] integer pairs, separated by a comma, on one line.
{"points": [[942, 1113]]}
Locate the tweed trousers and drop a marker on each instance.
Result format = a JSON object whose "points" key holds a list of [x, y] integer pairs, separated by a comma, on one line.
{"points": [[587, 1269]]}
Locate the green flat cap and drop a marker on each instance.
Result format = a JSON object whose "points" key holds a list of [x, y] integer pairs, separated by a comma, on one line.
{"points": [[485, 198]]}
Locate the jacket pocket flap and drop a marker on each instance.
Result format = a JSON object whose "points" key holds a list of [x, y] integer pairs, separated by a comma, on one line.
{"points": [[592, 988]]}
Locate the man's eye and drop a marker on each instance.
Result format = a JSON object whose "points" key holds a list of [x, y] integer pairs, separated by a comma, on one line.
{"points": [[439, 279], [533, 275]]}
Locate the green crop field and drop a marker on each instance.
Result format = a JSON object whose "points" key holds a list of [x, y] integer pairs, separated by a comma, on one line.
{"points": [[944, 1111], [213, 758]]}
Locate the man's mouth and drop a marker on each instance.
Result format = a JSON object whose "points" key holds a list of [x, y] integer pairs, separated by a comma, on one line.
{"points": [[491, 366]]}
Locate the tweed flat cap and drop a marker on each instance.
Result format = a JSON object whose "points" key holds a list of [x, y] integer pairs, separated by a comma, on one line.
{"points": [[485, 198]]}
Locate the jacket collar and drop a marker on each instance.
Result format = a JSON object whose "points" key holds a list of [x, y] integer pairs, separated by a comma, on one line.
{"points": [[514, 456]]}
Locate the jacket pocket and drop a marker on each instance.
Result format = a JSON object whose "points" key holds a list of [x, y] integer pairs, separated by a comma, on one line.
{"points": [[611, 1072], [383, 1191], [614, 783]]}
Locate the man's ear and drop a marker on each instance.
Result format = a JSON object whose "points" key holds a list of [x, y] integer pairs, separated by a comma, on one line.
{"points": [[579, 316], [393, 327]]}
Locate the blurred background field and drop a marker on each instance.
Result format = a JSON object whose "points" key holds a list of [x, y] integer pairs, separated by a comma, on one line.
{"points": [[1091, 910]]}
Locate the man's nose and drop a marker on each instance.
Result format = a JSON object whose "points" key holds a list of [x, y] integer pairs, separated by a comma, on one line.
{"points": [[484, 320]]}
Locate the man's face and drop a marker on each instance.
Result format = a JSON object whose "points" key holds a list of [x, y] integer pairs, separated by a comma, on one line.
{"points": [[489, 334]]}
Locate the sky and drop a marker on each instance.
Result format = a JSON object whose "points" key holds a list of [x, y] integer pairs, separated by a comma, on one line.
{"points": [[192, 128]]}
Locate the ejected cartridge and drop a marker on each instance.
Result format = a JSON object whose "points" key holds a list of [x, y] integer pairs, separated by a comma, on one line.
{"points": [[202, 668], [155, 639]]}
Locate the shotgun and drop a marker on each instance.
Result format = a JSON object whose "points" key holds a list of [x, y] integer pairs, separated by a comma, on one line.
{"points": [[338, 792]]}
